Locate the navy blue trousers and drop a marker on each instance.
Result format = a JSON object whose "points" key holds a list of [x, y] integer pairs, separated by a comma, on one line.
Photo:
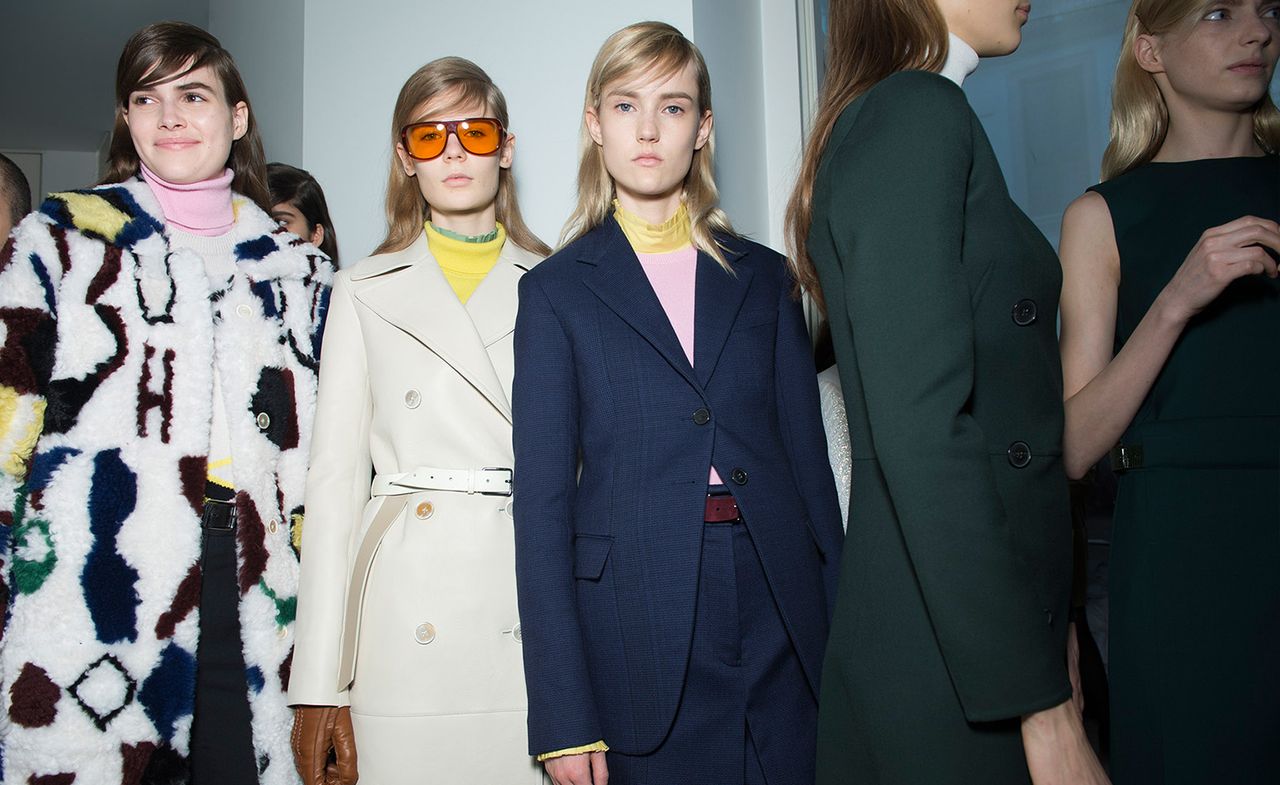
{"points": [[747, 714]]}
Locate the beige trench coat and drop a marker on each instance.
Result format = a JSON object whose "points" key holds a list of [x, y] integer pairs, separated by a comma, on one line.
{"points": [[410, 615]]}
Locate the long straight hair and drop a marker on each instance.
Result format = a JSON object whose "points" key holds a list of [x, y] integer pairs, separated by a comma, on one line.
{"points": [[868, 40], [298, 187], [660, 49], [407, 210], [165, 51], [1139, 115]]}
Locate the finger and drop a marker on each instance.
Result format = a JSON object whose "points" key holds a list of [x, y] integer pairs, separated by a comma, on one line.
{"points": [[599, 769], [313, 746], [1239, 223], [1254, 234], [344, 748]]}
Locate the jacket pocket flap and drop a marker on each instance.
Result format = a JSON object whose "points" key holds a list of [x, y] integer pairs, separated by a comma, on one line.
{"points": [[590, 551]]}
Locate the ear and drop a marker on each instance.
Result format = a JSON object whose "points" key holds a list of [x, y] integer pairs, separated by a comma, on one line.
{"points": [[1146, 50], [317, 235], [592, 119], [704, 130], [239, 120], [406, 163], [508, 152]]}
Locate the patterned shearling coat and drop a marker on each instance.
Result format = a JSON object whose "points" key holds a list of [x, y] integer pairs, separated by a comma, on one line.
{"points": [[108, 339]]}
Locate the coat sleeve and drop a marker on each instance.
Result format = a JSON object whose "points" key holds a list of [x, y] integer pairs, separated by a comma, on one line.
{"points": [[897, 219], [562, 712], [337, 491], [30, 269], [800, 415]]}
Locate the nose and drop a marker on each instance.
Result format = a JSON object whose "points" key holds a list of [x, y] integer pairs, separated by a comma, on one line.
{"points": [[647, 127], [170, 115], [1257, 30], [453, 149]]}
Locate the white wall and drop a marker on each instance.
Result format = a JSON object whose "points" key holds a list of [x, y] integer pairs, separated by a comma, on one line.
{"points": [[265, 38], [63, 170]]}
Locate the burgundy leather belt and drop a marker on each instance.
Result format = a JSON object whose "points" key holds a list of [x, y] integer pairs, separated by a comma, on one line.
{"points": [[721, 509]]}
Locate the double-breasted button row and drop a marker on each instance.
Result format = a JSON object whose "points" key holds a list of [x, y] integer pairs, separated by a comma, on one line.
{"points": [[1025, 313], [412, 399], [701, 416], [424, 510], [1019, 454], [425, 633]]}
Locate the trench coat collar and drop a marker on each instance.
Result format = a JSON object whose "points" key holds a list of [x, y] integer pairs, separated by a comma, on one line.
{"points": [[621, 284], [409, 291]]}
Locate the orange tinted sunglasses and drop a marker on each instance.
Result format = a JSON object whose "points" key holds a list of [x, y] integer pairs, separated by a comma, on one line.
{"points": [[477, 135]]}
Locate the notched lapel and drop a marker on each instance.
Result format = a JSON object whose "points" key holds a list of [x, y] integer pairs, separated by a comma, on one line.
{"points": [[416, 298], [718, 298], [492, 305], [620, 283]]}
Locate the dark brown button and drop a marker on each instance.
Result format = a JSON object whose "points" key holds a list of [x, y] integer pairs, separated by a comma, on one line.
{"points": [[739, 476], [701, 416], [1024, 313], [1019, 455]]}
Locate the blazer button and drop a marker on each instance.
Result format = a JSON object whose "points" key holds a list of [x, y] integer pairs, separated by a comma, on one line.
{"points": [[1024, 313], [1019, 455], [701, 416], [412, 399], [517, 634], [425, 633], [424, 510], [263, 420], [739, 476]]}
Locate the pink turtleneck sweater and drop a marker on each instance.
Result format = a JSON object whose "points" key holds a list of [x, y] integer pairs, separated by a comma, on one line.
{"points": [[202, 208]]}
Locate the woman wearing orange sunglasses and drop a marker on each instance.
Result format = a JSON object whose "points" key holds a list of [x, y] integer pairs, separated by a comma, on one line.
{"points": [[409, 640]]}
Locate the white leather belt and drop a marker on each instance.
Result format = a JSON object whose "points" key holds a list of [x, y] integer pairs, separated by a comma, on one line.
{"points": [[489, 481]]}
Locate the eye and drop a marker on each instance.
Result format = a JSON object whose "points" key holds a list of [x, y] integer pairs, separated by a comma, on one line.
{"points": [[623, 106], [429, 134], [141, 100], [1216, 15], [475, 133], [673, 109], [194, 98], [1271, 13]]}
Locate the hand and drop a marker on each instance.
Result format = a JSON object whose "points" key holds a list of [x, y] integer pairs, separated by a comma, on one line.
{"points": [[1058, 752], [316, 731], [1223, 254], [585, 768], [1073, 667]]}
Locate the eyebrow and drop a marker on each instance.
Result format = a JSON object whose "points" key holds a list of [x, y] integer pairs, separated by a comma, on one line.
{"points": [[663, 97], [195, 86]]}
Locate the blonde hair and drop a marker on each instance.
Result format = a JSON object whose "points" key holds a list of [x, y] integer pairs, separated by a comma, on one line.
{"points": [[637, 49], [868, 40], [407, 211], [1139, 115]]}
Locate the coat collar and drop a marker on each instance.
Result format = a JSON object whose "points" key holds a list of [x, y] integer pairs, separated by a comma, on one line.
{"points": [[621, 284], [408, 290], [128, 216]]}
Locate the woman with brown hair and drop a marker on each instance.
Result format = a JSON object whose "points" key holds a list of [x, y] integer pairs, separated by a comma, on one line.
{"points": [[1170, 312], [408, 665], [157, 383], [947, 661]]}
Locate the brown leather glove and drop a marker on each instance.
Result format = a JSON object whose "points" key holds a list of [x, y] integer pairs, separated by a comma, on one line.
{"points": [[324, 745]]}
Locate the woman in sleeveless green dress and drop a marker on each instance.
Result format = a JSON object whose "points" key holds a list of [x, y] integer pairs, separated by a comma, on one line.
{"points": [[1170, 323]]}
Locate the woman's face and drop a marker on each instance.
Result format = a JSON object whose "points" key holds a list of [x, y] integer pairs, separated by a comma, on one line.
{"points": [[648, 129], [1222, 59], [290, 217], [460, 187], [991, 27], [183, 129]]}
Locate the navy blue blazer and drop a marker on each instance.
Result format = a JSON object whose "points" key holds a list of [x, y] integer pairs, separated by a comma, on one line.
{"points": [[607, 561]]}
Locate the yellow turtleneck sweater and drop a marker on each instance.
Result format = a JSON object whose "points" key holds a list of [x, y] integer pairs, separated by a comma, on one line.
{"points": [[670, 235], [465, 261]]}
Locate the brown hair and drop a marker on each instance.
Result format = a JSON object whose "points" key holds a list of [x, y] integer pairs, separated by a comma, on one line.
{"points": [[165, 51], [634, 50], [868, 41], [1139, 115], [289, 184], [407, 211]]}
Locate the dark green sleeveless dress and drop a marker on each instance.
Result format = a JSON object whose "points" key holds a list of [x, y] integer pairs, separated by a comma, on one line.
{"points": [[1195, 561]]}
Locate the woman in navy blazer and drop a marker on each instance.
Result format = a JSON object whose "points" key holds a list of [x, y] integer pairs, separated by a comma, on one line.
{"points": [[673, 621]]}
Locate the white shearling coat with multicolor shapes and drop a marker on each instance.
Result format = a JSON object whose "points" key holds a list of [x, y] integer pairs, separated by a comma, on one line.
{"points": [[108, 339]]}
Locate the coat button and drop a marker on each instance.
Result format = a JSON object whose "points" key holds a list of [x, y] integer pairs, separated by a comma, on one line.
{"points": [[282, 632], [1049, 614], [701, 416], [244, 311], [739, 476], [509, 509], [272, 526], [263, 420], [425, 633], [412, 399], [1019, 455], [516, 634], [1024, 313], [424, 510]]}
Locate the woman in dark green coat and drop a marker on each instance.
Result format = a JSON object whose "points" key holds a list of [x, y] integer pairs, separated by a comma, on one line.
{"points": [[947, 656], [1170, 318]]}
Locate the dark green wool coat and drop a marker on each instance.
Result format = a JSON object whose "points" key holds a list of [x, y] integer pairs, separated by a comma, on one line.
{"points": [[951, 616]]}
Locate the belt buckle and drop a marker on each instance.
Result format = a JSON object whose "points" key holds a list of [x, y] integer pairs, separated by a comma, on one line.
{"points": [[510, 479], [214, 521]]}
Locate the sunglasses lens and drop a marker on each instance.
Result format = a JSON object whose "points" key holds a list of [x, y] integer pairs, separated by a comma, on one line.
{"points": [[481, 137], [426, 141]]}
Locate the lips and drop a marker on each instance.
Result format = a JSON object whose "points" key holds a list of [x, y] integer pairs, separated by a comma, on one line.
{"points": [[177, 143], [647, 159], [1025, 10], [456, 178], [1251, 66]]}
